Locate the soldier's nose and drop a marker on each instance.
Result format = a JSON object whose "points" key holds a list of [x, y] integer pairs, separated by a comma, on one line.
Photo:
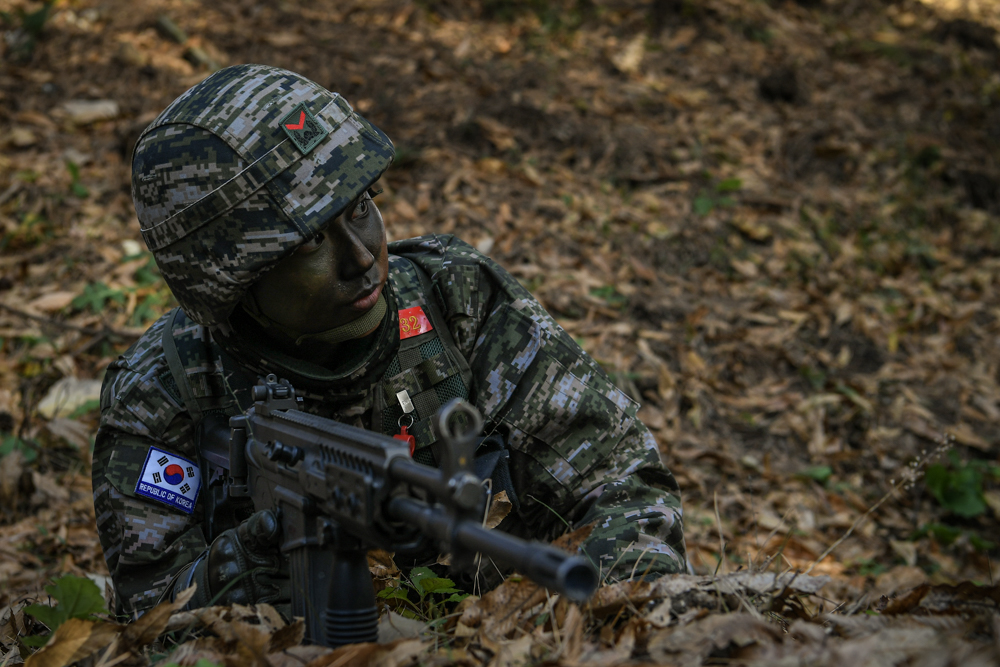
{"points": [[357, 258]]}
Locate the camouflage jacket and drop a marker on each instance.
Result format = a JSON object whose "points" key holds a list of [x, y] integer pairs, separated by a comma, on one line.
{"points": [[578, 454]]}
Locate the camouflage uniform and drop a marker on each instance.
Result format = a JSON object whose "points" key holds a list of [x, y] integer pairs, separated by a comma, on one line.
{"points": [[577, 451]]}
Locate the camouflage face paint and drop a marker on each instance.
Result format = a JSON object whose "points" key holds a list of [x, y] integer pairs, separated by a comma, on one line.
{"points": [[332, 279]]}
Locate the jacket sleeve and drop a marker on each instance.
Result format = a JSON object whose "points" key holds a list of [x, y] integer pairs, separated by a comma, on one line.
{"points": [[579, 453], [145, 542]]}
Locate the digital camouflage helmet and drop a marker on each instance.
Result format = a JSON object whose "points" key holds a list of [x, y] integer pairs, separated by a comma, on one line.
{"points": [[238, 172]]}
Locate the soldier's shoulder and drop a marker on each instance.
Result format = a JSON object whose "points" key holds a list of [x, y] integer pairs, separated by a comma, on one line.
{"points": [[139, 395], [456, 266], [435, 250]]}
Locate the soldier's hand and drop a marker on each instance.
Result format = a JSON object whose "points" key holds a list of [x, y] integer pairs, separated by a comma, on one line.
{"points": [[244, 565]]}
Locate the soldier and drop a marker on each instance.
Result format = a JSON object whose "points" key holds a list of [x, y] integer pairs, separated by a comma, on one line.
{"points": [[254, 194]]}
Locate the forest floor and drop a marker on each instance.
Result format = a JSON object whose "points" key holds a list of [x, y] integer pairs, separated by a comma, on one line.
{"points": [[775, 224]]}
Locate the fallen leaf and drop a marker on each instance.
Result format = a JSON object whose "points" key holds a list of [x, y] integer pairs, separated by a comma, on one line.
{"points": [[10, 476], [53, 301], [514, 653], [72, 431], [68, 394], [84, 112], [689, 645], [498, 134], [144, 631], [73, 641], [609, 599], [283, 39], [629, 59], [500, 507]]}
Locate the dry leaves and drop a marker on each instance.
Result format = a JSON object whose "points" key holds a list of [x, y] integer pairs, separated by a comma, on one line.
{"points": [[773, 224]]}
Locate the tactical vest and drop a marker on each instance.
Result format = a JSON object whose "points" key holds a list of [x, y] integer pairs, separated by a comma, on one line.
{"points": [[427, 371]]}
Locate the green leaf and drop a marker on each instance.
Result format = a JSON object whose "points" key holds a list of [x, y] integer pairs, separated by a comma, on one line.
{"points": [[935, 479], [393, 593], [78, 597], [95, 296], [79, 190], [729, 185], [703, 205], [147, 310], [418, 574], [51, 617], [93, 405], [34, 22], [438, 585], [980, 544], [818, 473], [945, 535], [959, 490], [11, 442], [815, 376], [611, 295], [147, 274], [36, 641]]}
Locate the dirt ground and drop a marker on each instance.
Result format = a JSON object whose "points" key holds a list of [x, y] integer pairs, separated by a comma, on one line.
{"points": [[776, 225]]}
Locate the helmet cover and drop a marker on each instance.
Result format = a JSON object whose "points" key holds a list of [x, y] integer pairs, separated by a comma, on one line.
{"points": [[238, 172]]}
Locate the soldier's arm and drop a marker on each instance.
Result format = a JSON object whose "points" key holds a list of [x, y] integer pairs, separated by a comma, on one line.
{"points": [[579, 454], [145, 542], [634, 503]]}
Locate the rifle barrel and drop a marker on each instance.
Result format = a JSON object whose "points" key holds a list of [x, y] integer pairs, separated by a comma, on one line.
{"points": [[571, 576]]}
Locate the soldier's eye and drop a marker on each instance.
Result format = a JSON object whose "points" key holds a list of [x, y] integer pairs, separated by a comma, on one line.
{"points": [[360, 210], [312, 244]]}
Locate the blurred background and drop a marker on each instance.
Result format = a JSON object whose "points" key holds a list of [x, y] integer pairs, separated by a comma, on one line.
{"points": [[774, 223]]}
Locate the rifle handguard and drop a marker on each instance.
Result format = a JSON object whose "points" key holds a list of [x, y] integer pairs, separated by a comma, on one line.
{"points": [[571, 576]]}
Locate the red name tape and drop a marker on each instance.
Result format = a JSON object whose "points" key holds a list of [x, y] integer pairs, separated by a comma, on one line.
{"points": [[413, 322]]}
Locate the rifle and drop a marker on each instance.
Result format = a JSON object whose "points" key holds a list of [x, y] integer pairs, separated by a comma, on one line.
{"points": [[340, 491]]}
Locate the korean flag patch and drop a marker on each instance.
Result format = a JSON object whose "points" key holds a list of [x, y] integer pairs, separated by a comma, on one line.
{"points": [[170, 479]]}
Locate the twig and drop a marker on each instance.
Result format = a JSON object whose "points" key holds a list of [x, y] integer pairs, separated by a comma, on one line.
{"points": [[68, 326], [756, 532], [770, 536], [741, 596], [107, 661], [722, 541], [943, 444], [10, 192], [622, 555], [780, 552], [488, 483], [33, 254], [636, 564]]}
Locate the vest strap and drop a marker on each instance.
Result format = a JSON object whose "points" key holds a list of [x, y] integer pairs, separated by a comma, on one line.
{"points": [[177, 368]]}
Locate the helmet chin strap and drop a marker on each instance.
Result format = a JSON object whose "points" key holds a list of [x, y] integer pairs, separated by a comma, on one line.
{"points": [[354, 329]]}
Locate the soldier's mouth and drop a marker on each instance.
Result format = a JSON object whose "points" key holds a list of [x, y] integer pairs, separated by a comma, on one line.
{"points": [[368, 300]]}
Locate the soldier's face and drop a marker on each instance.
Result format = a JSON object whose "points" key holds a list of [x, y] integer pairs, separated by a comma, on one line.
{"points": [[333, 279]]}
